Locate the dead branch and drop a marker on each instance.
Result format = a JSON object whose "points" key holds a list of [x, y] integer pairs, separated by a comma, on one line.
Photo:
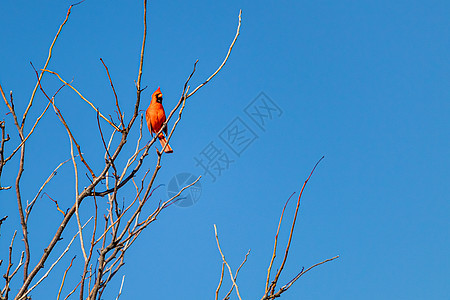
{"points": [[69, 132], [288, 285], [141, 65], [225, 262], [224, 61], [2, 220], [82, 97], [64, 278], [23, 223], [274, 282], [46, 64], [31, 204], [220, 281], [275, 244], [10, 264], [28, 135], [5, 138], [115, 95], [24, 295], [235, 275], [121, 286], [56, 203]]}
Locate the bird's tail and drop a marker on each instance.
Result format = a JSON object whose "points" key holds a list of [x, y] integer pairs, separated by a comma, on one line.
{"points": [[163, 141]]}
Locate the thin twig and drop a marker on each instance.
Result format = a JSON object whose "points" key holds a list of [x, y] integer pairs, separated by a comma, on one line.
{"points": [[121, 286], [64, 278], [2, 220], [10, 107], [10, 264], [274, 283], [23, 296], [82, 97], [77, 214], [5, 138], [224, 61], [220, 281], [56, 203], [290, 283], [72, 291], [21, 262], [31, 204], [235, 275], [228, 266], [115, 95], [29, 134], [45, 65], [141, 64], [69, 132], [275, 244]]}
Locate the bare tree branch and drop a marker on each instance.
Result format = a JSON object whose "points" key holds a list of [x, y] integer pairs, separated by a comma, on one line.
{"points": [[225, 262], [64, 278], [31, 204], [235, 276], [275, 244], [288, 285], [274, 283], [115, 95], [82, 97], [2, 220], [10, 264], [46, 64], [121, 286], [5, 138], [224, 61], [24, 295], [220, 281]]}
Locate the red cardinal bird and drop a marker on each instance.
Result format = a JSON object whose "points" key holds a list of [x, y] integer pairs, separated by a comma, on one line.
{"points": [[155, 117]]}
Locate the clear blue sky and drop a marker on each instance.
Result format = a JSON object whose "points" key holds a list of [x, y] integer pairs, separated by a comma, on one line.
{"points": [[365, 83]]}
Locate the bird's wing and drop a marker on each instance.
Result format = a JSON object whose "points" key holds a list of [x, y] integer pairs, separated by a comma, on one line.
{"points": [[162, 117], [148, 119]]}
